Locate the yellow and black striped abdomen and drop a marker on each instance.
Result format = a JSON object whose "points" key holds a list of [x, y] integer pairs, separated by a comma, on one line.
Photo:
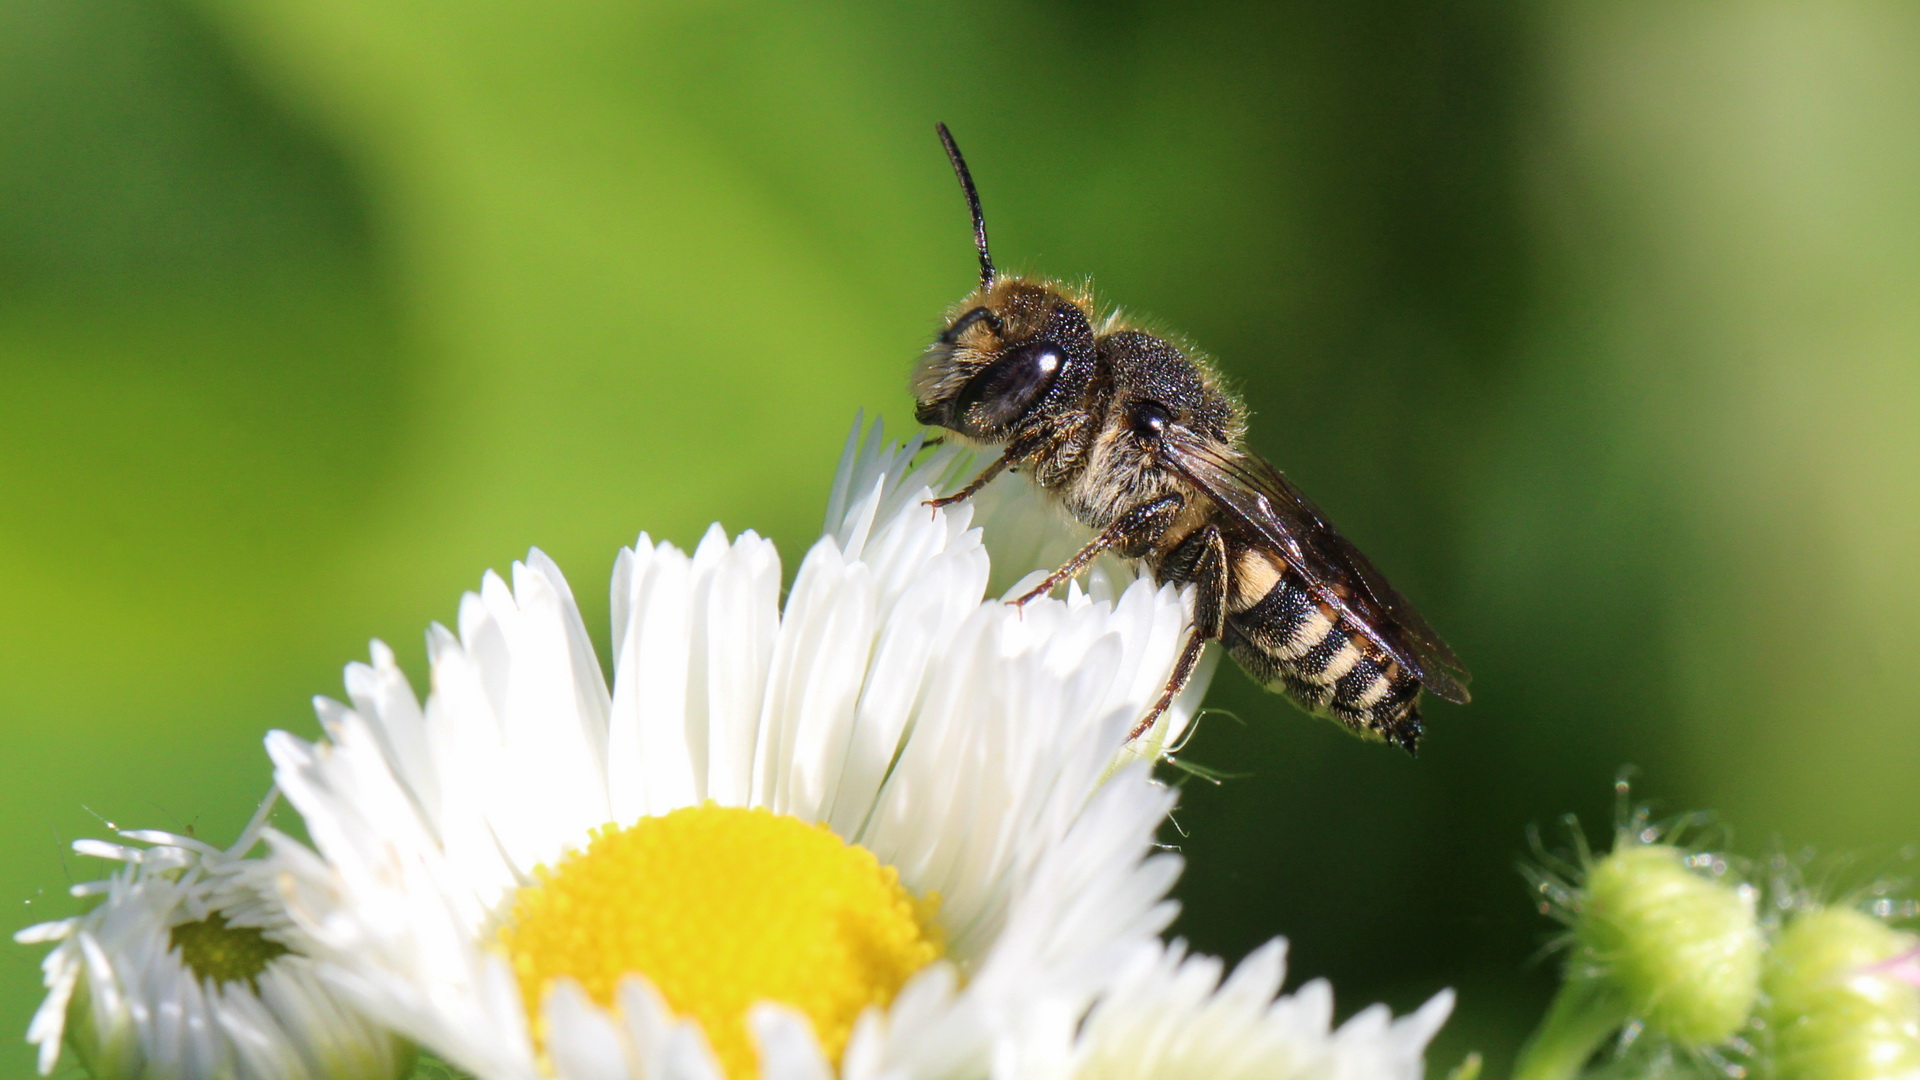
{"points": [[1294, 644]]}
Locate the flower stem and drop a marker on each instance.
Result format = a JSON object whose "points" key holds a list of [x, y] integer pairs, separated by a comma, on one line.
{"points": [[1583, 1014]]}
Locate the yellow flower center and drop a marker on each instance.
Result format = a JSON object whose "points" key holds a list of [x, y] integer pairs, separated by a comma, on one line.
{"points": [[224, 954], [721, 907]]}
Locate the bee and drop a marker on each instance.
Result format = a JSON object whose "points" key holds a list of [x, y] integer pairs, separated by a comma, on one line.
{"points": [[1137, 439]]}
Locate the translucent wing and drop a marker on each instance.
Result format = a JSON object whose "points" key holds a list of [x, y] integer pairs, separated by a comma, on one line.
{"points": [[1260, 498]]}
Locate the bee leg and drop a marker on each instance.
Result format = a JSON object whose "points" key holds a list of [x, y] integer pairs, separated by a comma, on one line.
{"points": [[986, 477], [1059, 453], [1208, 573], [1138, 526], [1035, 446]]}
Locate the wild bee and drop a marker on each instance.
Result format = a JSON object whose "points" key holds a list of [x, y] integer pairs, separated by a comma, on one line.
{"points": [[1139, 440]]}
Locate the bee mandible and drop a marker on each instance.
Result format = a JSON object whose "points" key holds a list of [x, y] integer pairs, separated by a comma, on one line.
{"points": [[1138, 440]]}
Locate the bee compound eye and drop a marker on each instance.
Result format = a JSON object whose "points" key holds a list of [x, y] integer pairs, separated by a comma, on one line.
{"points": [[1150, 419], [1043, 363], [1011, 385]]}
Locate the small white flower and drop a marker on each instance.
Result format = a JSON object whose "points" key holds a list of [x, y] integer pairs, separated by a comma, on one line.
{"points": [[1168, 1016], [187, 967], [538, 875]]}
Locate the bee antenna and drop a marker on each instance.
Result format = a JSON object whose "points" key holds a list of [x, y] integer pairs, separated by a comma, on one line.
{"points": [[973, 203]]}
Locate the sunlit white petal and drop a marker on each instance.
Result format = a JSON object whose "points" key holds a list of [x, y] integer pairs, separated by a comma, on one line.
{"points": [[1168, 1014]]}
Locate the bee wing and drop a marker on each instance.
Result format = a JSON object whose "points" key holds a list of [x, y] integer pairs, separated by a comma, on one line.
{"points": [[1259, 497]]}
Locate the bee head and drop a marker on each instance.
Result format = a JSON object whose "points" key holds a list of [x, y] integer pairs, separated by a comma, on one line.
{"points": [[1009, 349], [1008, 353]]}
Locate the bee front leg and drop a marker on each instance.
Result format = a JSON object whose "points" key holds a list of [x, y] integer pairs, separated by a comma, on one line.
{"points": [[986, 477], [1137, 527], [1037, 445], [1207, 570]]}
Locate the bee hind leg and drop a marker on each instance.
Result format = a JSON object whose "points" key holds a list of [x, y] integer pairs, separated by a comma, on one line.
{"points": [[1206, 569]]}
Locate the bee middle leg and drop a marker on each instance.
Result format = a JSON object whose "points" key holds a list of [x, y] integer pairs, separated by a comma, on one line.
{"points": [[1202, 561], [1136, 528]]}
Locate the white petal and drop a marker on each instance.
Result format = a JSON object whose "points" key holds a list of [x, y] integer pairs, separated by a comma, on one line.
{"points": [[1169, 1014], [101, 849], [556, 676], [380, 690], [584, 1042], [41, 933], [649, 768], [683, 1054], [819, 663], [736, 622], [788, 1049]]}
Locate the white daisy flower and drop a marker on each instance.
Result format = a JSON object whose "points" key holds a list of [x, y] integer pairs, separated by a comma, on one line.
{"points": [[187, 967], [1167, 1016], [863, 833]]}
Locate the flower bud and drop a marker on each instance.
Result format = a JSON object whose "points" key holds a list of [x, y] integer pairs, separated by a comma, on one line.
{"points": [[1835, 1009], [1683, 949]]}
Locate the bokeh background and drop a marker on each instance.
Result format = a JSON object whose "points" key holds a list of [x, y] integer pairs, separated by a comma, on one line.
{"points": [[1597, 325]]}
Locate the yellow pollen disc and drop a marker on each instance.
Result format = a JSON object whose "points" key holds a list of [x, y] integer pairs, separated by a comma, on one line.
{"points": [[721, 907]]}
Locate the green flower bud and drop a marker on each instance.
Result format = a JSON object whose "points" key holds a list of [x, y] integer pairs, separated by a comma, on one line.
{"points": [[1833, 1010], [1682, 949]]}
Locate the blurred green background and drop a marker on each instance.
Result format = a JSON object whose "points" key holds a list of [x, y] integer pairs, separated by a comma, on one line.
{"points": [[1598, 326]]}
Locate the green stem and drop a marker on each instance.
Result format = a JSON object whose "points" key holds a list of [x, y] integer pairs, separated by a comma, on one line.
{"points": [[1583, 1014]]}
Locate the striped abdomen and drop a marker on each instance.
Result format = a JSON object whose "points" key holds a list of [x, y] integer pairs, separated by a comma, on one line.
{"points": [[1294, 644]]}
